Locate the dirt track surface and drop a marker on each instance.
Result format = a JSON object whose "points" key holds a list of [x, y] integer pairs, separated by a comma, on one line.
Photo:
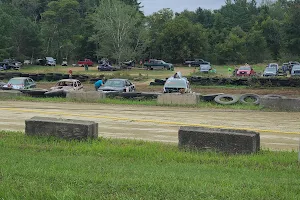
{"points": [[279, 130]]}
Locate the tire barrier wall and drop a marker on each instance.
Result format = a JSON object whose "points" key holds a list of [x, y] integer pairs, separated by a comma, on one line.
{"points": [[62, 128], [280, 103], [224, 140]]}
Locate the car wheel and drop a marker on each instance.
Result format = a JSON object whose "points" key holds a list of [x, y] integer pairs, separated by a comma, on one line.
{"points": [[232, 99], [253, 96]]}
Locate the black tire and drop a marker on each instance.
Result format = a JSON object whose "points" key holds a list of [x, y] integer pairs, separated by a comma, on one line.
{"points": [[254, 96], [233, 97], [210, 97]]}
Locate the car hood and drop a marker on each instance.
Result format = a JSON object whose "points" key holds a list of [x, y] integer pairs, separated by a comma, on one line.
{"points": [[243, 71], [67, 88], [107, 88], [15, 87]]}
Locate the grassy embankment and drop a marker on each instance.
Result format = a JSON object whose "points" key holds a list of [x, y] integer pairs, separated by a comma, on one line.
{"points": [[44, 168]]}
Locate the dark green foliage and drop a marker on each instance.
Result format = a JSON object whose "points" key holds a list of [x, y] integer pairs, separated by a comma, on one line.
{"points": [[240, 31]]}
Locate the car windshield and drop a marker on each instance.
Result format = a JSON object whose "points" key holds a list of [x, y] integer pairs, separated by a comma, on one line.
{"points": [[16, 81], [245, 68], [272, 65], [270, 69], [49, 58], [296, 67], [114, 83], [176, 83], [64, 83]]}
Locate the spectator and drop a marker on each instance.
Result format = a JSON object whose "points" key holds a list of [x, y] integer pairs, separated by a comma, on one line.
{"points": [[98, 84]]}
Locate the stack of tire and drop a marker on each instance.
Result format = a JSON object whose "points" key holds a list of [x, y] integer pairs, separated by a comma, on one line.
{"points": [[158, 82], [228, 99]]}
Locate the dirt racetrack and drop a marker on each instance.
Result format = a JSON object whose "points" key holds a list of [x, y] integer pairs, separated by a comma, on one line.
{"points": [[279, 130]]}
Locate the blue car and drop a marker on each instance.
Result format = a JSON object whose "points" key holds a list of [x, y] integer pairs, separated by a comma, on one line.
{"points": [[106, 67]]}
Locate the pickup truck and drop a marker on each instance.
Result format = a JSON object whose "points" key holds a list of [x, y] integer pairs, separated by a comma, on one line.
{"points": [[158, 64], [88, 62], [196, 62]]}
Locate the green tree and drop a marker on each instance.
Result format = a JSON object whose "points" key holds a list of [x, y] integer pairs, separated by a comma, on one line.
{"points": [[115, 23], [181, 39], [61, 28]]}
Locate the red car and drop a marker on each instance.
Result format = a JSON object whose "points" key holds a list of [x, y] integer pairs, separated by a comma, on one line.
{"points": [[88, 62], [245, 71]]}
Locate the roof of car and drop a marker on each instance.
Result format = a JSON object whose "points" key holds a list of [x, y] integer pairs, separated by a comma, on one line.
{"points": [[70, 80], [22, 78], [118, 79]]}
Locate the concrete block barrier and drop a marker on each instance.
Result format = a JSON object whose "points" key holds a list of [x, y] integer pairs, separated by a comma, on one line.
{"points": [[280, 103], [224, 140], [178, 99], [10, 93], [87, 96], [61, 128]]}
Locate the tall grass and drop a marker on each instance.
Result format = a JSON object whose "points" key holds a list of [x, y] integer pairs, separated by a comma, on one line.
{"points": [[45, 168]]}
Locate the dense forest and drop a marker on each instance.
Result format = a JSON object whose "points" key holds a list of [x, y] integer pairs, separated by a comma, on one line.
{"points": [[240, 31]]}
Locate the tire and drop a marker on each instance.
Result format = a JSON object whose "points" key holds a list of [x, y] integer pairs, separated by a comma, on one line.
{"points": [[233, 97], [210, 97], [255, 96]]}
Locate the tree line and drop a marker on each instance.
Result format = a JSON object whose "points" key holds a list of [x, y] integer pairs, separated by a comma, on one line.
{"points": [[240, 31]]}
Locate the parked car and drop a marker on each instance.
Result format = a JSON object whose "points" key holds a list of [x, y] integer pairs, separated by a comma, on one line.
{"points": [[117, 85], [20, 83], [106, 67], [88, 62], [27, 62], [158, 64], [245, 71], [64, 62], [50, 61], [196, 62], [273, 65], [177, 83], [67, 85], [295, 70], [128, 64], [8, 66], [205, 67], [270, 71], [291, 64]]}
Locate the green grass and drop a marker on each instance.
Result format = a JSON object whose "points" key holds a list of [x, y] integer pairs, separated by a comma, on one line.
{"points": [[120, 101], [45, 168], [221, 71]]}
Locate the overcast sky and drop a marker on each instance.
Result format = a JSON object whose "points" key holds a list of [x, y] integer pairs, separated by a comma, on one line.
{"points": [[151, 6]]}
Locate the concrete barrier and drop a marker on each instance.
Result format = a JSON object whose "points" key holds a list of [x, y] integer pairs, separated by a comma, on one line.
{"points": [[178, 99], [86, 96], [225, 140], [10, 93], [62, 128], [280, 104]]}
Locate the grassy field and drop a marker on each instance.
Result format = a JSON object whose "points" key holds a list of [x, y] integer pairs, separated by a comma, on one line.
{"points": [[201, 104], [33, 168], [186, 71]]}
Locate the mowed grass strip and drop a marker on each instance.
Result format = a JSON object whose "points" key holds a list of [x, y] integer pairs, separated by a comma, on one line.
{"points": [[143, 102], [45, 168]]}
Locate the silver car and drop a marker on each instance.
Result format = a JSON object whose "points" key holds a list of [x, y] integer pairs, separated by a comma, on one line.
{"points": [[295, 70], [117, 85], [177, 83], [20, 83]]}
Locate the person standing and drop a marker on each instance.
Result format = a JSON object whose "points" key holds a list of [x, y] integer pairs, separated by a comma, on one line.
{"points": [[98, 84]]}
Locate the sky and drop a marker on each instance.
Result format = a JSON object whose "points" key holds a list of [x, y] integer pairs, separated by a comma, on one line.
{"points": [[151, 6]]}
